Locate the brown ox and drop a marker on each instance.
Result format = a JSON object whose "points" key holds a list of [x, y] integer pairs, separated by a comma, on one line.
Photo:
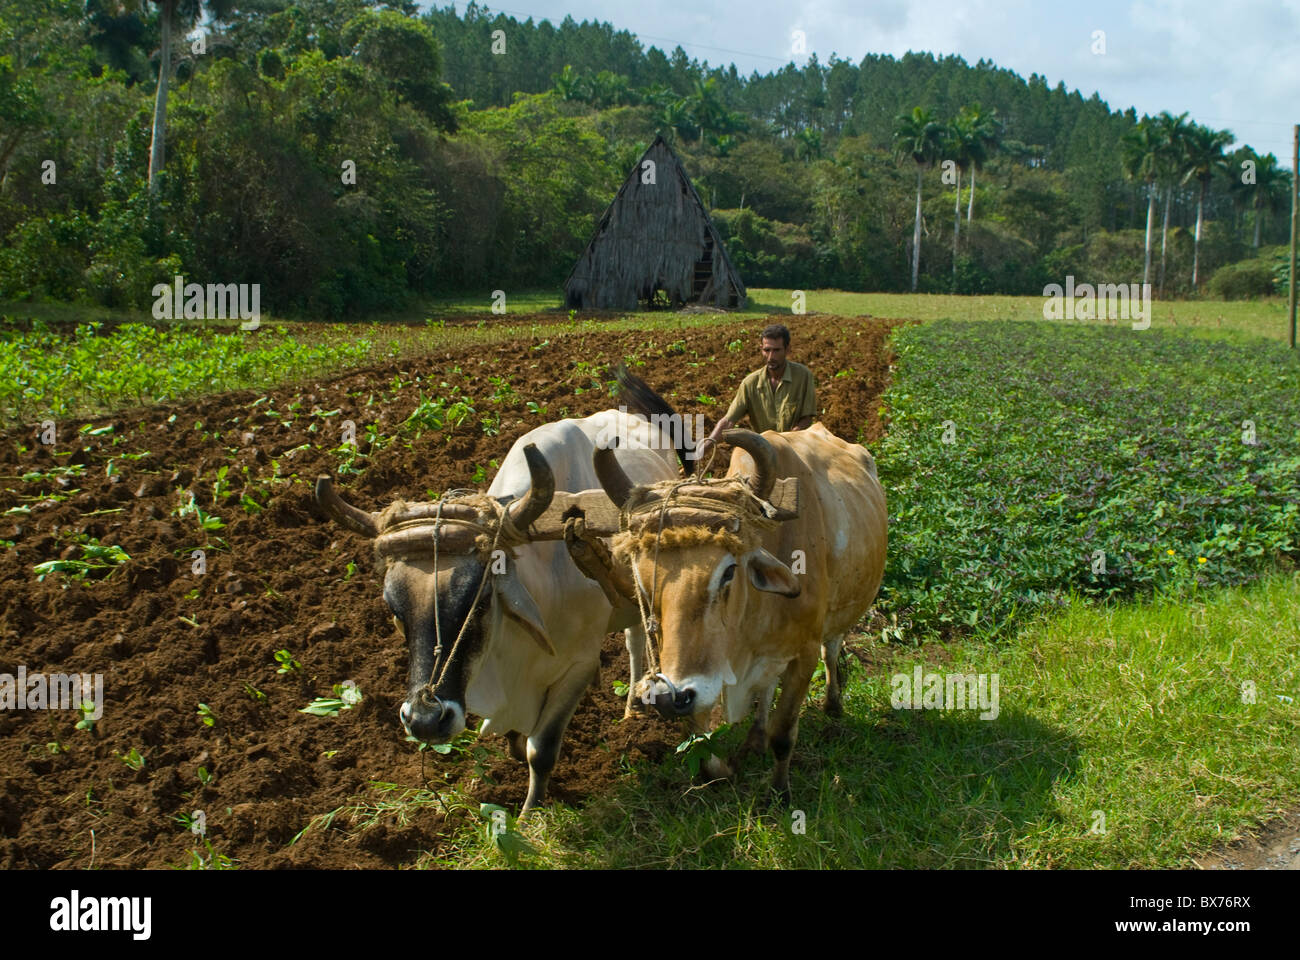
{"points": [[733, 617]]}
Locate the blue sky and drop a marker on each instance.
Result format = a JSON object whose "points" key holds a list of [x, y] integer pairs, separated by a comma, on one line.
{"points": [[1233, 65]]}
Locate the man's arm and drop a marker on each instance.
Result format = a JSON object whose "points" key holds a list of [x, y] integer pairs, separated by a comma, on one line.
{"points": [[739, 407], [711, 439]]}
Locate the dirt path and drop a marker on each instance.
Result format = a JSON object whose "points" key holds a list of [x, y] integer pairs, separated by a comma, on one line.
{"points": [[277, 577], [1276, 848]]}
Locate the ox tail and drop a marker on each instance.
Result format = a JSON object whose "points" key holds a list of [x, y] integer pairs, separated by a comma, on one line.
{"points": [[639, 397]]}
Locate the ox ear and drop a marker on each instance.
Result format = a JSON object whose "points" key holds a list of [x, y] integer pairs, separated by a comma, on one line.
{"points": [[518, 605], [768, 573]]}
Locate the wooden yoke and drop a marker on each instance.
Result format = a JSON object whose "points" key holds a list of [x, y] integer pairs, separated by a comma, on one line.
{"points": [[601, 517], [592, 557]]}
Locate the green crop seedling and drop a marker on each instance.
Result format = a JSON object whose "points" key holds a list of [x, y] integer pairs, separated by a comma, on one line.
{"points": [[286, 661], [346, 696]]}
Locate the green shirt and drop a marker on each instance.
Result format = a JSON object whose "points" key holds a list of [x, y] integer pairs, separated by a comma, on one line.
{"points": [[794, 398]]}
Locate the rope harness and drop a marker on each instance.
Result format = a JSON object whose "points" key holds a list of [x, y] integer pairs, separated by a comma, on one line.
{"points": [[494, 529], [491, 533], [752, 514]]}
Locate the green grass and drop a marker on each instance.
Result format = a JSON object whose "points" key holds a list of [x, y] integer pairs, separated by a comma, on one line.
{"points": [[1262, 318], [1133, 710]]}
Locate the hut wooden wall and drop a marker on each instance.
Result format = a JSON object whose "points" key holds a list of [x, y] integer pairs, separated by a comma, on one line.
{"points": [[651, 237]]}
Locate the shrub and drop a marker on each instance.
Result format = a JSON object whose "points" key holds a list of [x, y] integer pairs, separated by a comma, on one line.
{"points": [[1243, 281], [45, 257]]}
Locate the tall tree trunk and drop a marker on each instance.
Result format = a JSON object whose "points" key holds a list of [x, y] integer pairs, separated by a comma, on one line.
{"points": [[956, 229], [916, 232], [1259, 218], [1196, 250], [1164, 239], [971, 207], [156, 147], [5, 154], [1151, 219]]}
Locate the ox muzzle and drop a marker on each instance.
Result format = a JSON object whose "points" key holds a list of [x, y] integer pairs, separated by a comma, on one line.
{"points": [[430, 719], [670, 700]]}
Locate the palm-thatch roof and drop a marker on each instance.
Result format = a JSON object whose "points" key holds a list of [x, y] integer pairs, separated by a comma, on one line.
{"points": [[654, 236]]}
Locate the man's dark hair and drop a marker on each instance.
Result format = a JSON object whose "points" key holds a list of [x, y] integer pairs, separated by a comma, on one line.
{"points": [[777, 330]]}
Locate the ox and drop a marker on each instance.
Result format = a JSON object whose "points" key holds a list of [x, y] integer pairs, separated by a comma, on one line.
{"points": [[512, 636], [732, 618]]}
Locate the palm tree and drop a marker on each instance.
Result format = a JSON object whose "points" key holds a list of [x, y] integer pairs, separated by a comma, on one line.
{"points": [[957, 144], [674, 118], [986, 133], [570, 85], [610, 89], [1140, 159], [174, 13], [808, 144], [1204, 158], [919, 136], [966, 144], [1240, 192], [1271, 190], [707, 108], [1172, 132]]}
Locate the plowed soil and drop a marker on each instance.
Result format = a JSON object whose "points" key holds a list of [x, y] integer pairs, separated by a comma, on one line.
{"points": [[278, 576]]}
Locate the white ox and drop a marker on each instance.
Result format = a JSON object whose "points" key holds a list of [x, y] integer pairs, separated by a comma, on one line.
{"points": [[517, 647]]}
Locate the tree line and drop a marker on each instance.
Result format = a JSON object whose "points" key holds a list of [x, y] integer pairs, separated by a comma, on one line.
{"points": [[350, 156]]}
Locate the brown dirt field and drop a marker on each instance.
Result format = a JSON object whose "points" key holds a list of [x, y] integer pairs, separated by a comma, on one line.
{"points": [[279, 578]]}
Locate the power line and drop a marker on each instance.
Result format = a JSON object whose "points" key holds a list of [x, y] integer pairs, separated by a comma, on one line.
{"points": [[646, 36], [1271, 123]]}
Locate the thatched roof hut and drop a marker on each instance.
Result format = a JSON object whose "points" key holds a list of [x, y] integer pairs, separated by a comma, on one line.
{"points": [[655, 237]]}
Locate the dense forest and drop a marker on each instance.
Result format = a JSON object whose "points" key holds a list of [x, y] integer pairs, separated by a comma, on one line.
{"points": [[351, 155]]}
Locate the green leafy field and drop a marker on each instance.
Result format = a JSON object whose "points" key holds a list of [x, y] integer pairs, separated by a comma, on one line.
{"points": [[44, 373], [1026, 460]]}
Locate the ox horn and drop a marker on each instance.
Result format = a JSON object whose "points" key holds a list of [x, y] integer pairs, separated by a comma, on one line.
{"points": [[764, 458], [617, 485], [343, 512], [541, 490]]}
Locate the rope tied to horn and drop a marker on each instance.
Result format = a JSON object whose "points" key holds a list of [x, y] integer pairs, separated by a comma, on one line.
{"points": [[480, 525], [493, 530], [751, 515]]}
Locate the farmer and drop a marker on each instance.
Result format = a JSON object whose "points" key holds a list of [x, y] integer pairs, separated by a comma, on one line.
{"points": [[778, 396]]}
